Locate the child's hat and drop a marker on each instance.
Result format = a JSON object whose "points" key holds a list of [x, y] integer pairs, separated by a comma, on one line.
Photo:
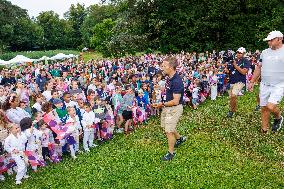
{"points": [[57, 101]]}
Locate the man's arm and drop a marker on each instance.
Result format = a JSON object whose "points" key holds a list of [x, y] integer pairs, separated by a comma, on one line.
{"points": [[256, 74], [173, 102], [243, 71], [255, 77]]}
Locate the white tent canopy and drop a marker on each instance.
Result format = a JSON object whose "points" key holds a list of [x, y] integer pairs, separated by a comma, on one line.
{"points": [[44, 58], [19, 59], [3, 62], [71, 55], [59, 56]]}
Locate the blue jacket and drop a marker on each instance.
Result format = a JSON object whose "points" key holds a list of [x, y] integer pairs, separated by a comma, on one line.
{"points": [[40, 81]]}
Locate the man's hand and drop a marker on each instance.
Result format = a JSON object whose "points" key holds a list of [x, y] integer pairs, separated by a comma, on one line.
{"points": [[250, 86], [234, 63], [160, 105]]}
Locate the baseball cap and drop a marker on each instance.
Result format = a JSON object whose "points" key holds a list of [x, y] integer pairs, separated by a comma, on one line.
{"points": [[241, 50], [57, 101], [273, 35]]}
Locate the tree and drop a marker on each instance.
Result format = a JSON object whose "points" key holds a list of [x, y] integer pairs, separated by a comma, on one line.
{"points": [[96, 14], [14, 22], [102, 33], [53, 29], [76, 16]]}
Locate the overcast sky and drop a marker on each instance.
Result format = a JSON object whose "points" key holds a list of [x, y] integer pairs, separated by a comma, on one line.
{"points": [[34, 7]]}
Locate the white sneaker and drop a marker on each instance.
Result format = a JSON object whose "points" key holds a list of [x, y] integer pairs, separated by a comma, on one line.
{"points": [[2, 178], [94, 145], [26, 177], [9, 172], [87, 150], [120, 130], [18, 182], [74, 157]]}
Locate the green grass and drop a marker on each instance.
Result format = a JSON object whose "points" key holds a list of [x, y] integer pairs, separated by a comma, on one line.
{"points": [[219, 153], [92, 55]]}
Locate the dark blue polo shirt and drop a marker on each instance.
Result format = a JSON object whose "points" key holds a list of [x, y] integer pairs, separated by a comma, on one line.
{"points": [[174, 86], [236, 76]]}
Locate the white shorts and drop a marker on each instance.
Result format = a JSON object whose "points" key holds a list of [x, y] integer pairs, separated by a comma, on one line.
{"points": [[270, 94]]}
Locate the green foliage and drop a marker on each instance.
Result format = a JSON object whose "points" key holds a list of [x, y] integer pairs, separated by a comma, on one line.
{"points": [[15, 27], [53, 28], [76, 16], [165, 25], [96, 14], [102, 33], [219, 153]]}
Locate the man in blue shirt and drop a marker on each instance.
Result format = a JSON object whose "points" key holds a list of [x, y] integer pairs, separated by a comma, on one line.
{"points": [[172, 106], [237, 70]]}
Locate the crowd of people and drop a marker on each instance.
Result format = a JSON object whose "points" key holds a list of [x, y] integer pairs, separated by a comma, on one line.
{"points": [[50, 109]]}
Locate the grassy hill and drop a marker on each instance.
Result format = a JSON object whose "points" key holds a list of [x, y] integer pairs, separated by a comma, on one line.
{"points": [[219, 153]]}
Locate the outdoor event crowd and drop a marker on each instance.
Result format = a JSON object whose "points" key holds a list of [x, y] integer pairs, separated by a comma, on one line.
{"points": [[55, 108]]}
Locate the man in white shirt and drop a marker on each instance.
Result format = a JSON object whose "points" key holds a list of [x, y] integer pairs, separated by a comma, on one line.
{"points": [[271, 71]]}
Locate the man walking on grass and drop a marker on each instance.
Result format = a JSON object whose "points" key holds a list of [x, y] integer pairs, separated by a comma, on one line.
{"points": [[237, 70], [271, 71], [172, 108]]}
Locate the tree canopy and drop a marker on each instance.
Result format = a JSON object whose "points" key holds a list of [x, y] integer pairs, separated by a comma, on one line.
{"points": [[117, 27]]}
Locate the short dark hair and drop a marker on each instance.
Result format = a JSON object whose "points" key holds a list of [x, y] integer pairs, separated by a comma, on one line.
{"points": [[53, 91], [172, 62], [26, 123]]}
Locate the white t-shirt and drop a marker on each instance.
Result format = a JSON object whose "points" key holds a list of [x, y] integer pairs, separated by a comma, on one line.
{"points": [[88, 119], [195, 92], [37, 72], [71, 104], [37, 106], [47, 95], [3, 99], [92, 87], [272, 71], [16, 115]]}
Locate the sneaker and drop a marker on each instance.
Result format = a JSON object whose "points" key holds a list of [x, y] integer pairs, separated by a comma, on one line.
{"points": [[230, 114], [169, 156], [240, 93], [74, 157], [120, 130], [9, 171], [180, 141], [26, 176], [94, 145], [257, 108], [87, 150], [277, 125], [262, 131], [18, 182], [2, 178]]}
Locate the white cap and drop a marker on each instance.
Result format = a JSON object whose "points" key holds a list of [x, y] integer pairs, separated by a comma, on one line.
{"points": [[241, 50], [273, 35]]}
